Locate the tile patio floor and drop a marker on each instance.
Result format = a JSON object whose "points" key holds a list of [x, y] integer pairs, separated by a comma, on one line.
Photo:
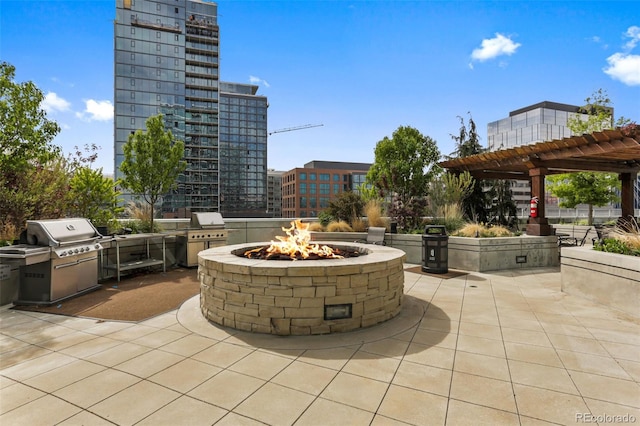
{"points": [[502, 348]]}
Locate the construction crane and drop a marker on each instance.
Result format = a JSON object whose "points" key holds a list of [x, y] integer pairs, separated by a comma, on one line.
{"points": [[290, 129]]}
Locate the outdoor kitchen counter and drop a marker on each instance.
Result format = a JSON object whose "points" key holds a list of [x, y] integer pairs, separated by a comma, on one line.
{"points": [[146, 260]]}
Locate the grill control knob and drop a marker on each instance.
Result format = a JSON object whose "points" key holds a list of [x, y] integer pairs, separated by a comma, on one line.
{"points": [[97, 246], [76, 250], [70, 252]]}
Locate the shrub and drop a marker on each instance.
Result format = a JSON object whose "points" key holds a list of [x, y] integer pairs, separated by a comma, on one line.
{"points": [[479, 230], [325, 217], [358, 225], [373, 211], [339, 226], [316, 227], [624, 239], [140, 221], [613, 245]]}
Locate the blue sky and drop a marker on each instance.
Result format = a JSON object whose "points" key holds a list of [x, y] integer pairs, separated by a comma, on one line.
{"points": [[359, 68]]}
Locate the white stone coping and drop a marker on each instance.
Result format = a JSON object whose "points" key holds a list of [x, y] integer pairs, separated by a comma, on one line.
{"points": [[375, 254]]}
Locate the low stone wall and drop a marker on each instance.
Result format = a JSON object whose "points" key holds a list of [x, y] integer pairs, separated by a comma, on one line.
{"points": [[605, 278], [497, 254], [290, 297], [472, 254]]}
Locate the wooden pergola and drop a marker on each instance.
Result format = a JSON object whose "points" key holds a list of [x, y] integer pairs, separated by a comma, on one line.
{"points": [[606, 151]]}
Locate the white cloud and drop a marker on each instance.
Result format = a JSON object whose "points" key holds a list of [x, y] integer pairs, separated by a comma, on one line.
{"points": [[258, 80], [53, 103], [493, 47], [96, 111], [633, 33], [624, 67]]}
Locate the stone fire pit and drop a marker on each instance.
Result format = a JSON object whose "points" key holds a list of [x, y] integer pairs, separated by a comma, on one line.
{"points": [[301, 297]]}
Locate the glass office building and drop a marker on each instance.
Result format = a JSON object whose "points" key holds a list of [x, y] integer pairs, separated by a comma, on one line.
{"points": [[540, 122], [166, 62], [243, 151]]}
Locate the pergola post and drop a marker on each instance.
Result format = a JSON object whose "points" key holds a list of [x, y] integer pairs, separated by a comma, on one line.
{"points": [[627, 180], [538, 225]]}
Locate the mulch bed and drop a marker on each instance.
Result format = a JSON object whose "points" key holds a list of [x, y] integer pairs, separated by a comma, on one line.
{"points": [[134, 298], [446, 276]]}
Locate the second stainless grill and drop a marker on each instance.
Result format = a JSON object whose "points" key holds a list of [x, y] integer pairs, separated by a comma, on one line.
{"points": [[207, 230]]}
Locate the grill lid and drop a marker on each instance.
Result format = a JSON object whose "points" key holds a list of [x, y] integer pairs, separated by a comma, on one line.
{"points": [[57, 232], [209, 220]]}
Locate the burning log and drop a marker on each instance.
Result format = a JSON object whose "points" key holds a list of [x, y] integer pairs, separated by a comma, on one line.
{"points": [[296, 246]]}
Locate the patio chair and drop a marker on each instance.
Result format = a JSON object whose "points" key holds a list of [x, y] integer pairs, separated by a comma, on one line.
{"points": [[568, 241], [375, 235]]}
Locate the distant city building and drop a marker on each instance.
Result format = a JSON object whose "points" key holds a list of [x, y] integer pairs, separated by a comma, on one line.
{"points": [[307, 191], [243, 151], [540, 122], [166, 61], [274, 193]]}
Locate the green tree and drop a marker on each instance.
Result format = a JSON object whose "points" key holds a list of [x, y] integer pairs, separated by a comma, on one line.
{"points": [[95, 197], [33, 176], [153, 160], [450, 188], [40, 191], [474, 205], [25, 132], [503, 210], [447, 194], [402, 169], [591, 188]]}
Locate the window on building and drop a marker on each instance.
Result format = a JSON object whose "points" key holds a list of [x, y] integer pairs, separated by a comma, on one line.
{"points": [[312, 176], [324, 188], [303, 176], [312, 188], [324, 176], [303, 188]]}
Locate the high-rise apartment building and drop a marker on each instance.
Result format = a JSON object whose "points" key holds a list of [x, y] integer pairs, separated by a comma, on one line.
{"points": [[243, 151], [166, 62], [307, 191]]}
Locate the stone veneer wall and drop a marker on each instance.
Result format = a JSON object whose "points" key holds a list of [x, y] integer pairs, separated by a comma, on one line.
{"points": [[289, 297]]}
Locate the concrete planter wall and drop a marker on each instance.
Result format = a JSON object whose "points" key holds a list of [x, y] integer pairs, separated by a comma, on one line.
{"points": [[605, 278], [471, 254]]}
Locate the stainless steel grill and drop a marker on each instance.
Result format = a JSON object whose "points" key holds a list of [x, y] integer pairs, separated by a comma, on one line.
{"points": [[60, 260], [207, 230]]}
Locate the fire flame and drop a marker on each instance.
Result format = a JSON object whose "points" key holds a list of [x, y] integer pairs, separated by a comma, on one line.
{"points": [[297, 244]]}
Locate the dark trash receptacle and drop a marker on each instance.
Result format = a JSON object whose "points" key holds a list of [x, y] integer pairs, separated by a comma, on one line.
{"points": [[435, 250]]}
